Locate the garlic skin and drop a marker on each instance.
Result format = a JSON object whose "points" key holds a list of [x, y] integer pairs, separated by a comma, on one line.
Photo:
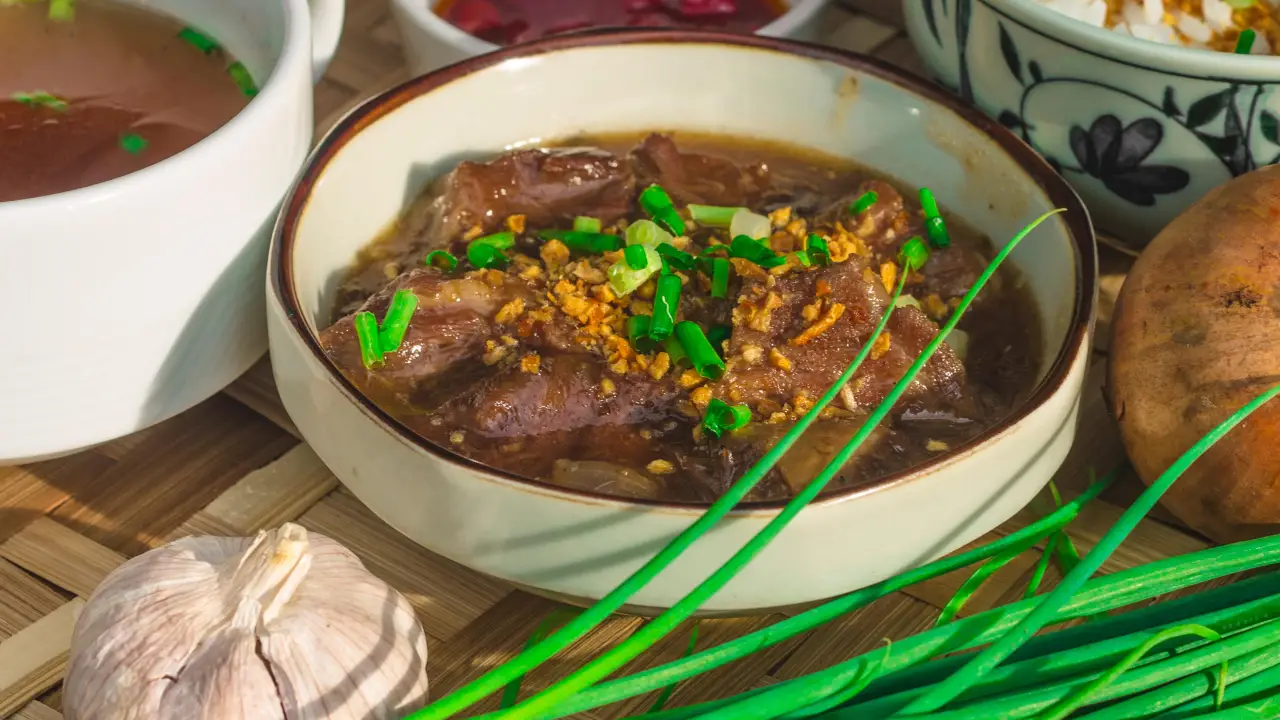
{"points": [[285, 626]]}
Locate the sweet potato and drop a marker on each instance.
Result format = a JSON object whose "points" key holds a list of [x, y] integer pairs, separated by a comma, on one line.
{"points": [[1195, 336]]}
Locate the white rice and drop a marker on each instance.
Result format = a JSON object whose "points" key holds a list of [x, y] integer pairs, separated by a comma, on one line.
{"points": [[1144, 19]]}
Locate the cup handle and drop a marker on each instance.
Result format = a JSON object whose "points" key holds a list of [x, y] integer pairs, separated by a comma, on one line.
{"points": [[326, 31]]}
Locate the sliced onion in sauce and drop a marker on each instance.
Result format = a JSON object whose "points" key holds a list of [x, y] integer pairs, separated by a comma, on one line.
{"points": [[754, 226], [605, 478]]}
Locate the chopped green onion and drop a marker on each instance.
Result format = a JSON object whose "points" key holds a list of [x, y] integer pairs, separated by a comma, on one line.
{"points": [[719, 277], [367, 335], [713, 215], [864, 202], [936, 229], [583, 241], [929, 203], [486, 252], [677, 258], [40, 98], [817, 249], [752, 225], [666, 300], [676, 352], [804, 258], [587, 224], [132, 143], [62, 10], [240, 74], [914, 254], [483, 255], [624, 281], [701, 353], [441, 259], [721, 416], [647, 232], [657, 203], [638, 333], [717, 335], [934, 226], [1244, 45], [755, 251], [199, 40], [636, 257], [396, 322]]}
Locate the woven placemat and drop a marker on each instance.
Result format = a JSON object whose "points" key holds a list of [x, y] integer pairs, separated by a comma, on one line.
{"points": [[234, 465]]}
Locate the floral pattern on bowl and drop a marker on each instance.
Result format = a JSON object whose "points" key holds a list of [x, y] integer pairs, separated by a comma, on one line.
{"points": [[1139, 141]]}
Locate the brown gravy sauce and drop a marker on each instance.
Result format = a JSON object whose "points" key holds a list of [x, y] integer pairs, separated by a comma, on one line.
{"points": [[124, 73]]}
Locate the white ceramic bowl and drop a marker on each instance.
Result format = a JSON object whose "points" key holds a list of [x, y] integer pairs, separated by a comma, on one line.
{"points": [[580, 545], [430, 42], [1140, 129], [135, 299]]}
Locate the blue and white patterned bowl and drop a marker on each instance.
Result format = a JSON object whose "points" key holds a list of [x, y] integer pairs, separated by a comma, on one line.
{"points": [[1141, 130]]}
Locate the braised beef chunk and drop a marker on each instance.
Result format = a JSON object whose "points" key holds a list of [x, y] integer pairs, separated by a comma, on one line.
{"points": [[813, 325], [546, 186], [540, 365], [697, 178]]}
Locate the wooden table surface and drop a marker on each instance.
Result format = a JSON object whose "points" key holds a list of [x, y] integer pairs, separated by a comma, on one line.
{"points": [[234, 465]]}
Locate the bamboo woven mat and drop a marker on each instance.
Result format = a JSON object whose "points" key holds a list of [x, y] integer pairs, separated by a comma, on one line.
{"points": [[234, 465]]}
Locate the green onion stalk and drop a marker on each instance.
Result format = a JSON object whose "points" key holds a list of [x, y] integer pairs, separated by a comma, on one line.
{"points": [[473, 692]]}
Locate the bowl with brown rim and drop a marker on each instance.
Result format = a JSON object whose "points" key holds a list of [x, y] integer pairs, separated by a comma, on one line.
{"points": [[576, 544]]}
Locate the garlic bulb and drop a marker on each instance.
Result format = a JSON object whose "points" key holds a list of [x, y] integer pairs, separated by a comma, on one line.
{"points": [[282, 626]]}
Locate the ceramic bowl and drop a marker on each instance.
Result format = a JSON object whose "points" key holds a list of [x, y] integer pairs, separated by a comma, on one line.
{"points": [[143, 295], [430, 42], [580, 545], [1140, 129]]}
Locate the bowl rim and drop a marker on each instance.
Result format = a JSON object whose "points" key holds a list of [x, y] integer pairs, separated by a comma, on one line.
{"points": [[424, 16], [1188, 62], [1076, 219]]}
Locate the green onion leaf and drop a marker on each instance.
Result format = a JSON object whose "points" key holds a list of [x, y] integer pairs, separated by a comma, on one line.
{"points": [[914, 254], [550, 623], [243, 79], [647, 232], [638, 334], [755, 251], [677, 258], [936, 229], [396, 322], [1244, 44], [40, 98], [804, 258], [636, 257], [864, 202], [721, 416], [486, 252], [717, 335], [441, 259], [367, 335], [713, 215], [817, 249], [666, 694], [587, 224], [62, 10], [973, 584], [676, 352], [666, 300], [624, 281], [657, 203], [1042, 566], [719, 277], [482, 256], [929, 203], [133, 143], [701, 353], [583, 241], [199, 40]]}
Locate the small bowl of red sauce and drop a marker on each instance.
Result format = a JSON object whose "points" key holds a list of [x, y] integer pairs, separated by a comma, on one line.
{"points": [[441, 32]]}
